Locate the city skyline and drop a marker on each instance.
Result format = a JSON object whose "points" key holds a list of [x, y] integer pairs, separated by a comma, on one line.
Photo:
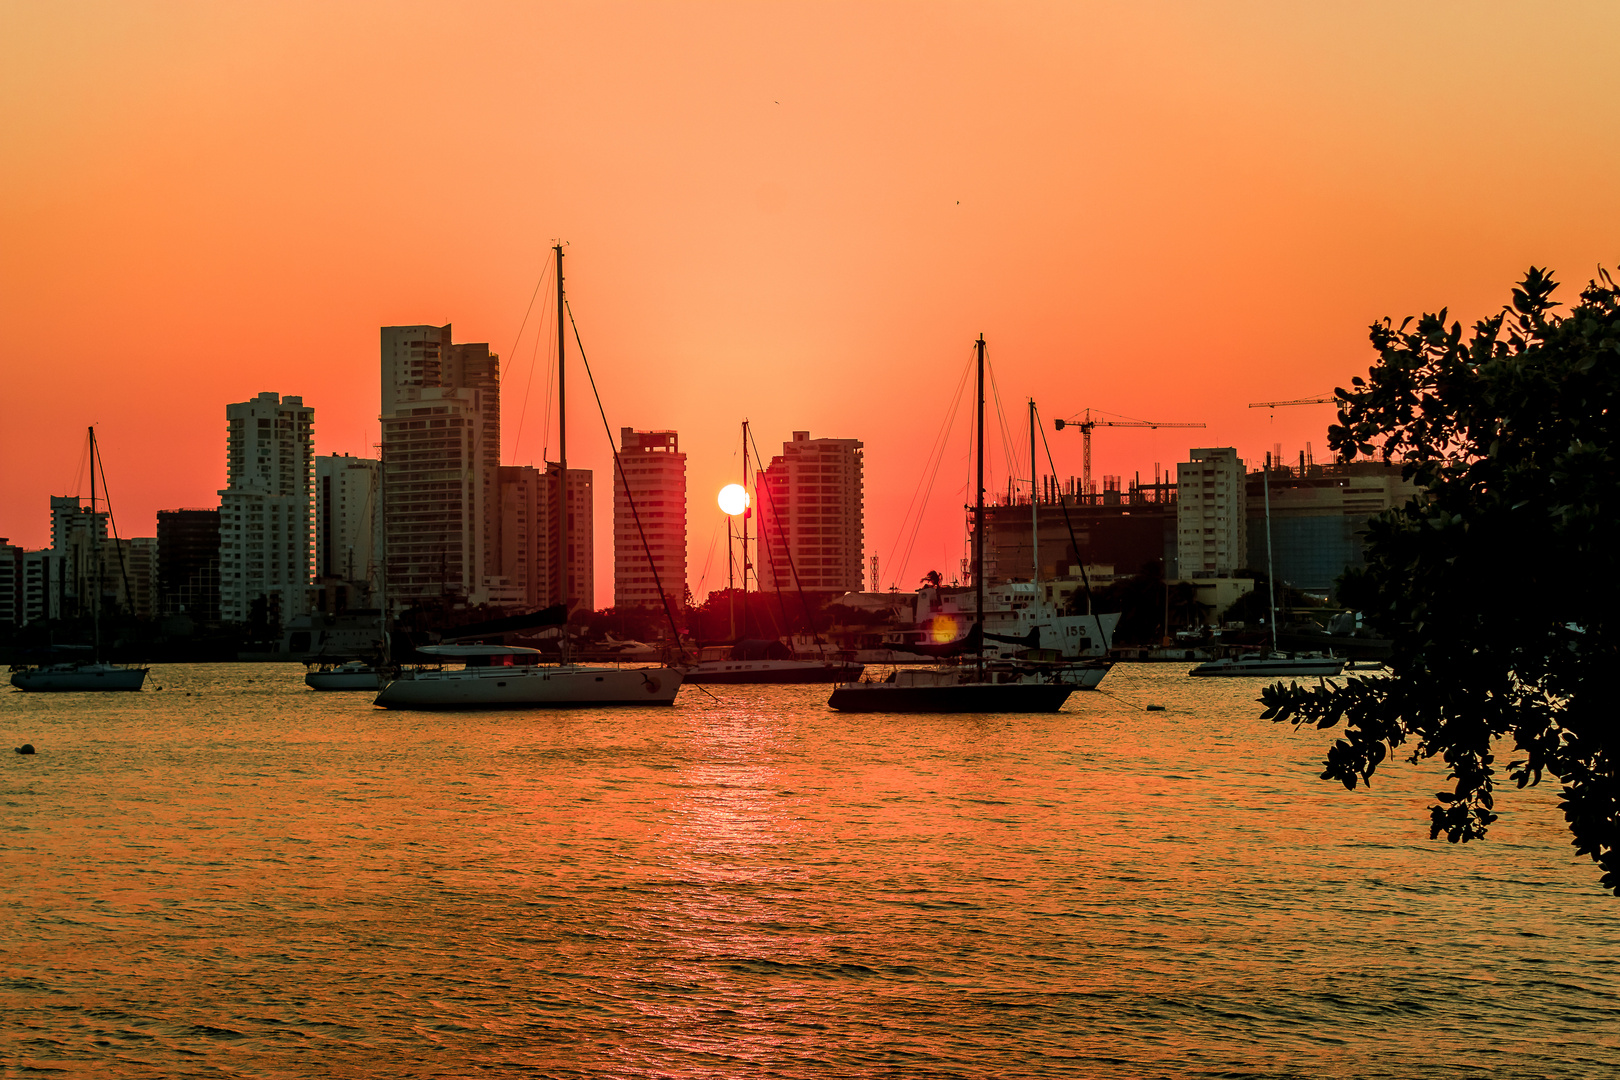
{"points": [[1165, 214]]}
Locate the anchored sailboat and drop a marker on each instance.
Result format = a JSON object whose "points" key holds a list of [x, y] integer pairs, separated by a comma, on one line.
{"points": [[975, 687], [501, 676], [761, 661], [54, 674], [1276, 662]]}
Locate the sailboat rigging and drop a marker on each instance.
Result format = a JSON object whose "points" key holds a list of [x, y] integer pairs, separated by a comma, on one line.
{"points": [[53, 674], [762, 661], [504, 676], [977, 688], [1275, 662]]}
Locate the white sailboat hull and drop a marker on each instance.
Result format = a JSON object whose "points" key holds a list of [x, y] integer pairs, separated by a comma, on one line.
{"points": [[70, 678], [346, 678], [498, 687], [1272, 667]]}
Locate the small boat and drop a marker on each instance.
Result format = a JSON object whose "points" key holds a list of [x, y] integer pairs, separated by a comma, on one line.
{"points": [[764, 661], [354, 675], [91, 674], [960, 689], [1272, 664], [508, 676], [77, 675]]}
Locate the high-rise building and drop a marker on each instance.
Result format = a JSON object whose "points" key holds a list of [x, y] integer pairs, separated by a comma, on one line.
{"points": [[1212, 537], [581, 539], [523, 546], [811, 516], [44, 574], [76, 534], [349, 522], [441, 437], [654, 476], [130, 569], [1319, 517], [11, 581], [266, 508], [528, 537], [188, 563]]}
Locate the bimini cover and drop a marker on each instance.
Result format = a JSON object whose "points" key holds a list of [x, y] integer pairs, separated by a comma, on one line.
{"points": [[463, 652]]}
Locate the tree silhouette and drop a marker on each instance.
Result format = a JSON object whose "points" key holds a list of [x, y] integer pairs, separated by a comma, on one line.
{"points": [[1496, 584]]}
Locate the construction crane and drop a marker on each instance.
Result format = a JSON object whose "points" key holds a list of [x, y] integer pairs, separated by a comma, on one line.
{"points": [[1086, 421], [1295, 401]]}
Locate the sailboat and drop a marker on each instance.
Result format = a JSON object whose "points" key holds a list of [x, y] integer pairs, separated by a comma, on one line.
{"points": [[761, 661], [77, 674], [974, 687], [1275, 662], [502, 676]]}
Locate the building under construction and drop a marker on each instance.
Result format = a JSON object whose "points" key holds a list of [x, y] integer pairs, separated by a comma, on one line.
{"points": [[1318, 524]]}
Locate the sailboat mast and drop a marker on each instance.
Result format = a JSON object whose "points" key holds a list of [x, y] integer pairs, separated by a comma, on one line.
{"points": [[1271, 574], [95, 556], [748, 509], [978, 513], [562, 457], [1034, 509]]}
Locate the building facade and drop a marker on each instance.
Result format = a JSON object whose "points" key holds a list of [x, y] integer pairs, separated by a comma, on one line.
{"points": [[11, 581], [652, 473], [581, 593], [810, 507], [266, 508], [1319, 518], [188, 563], [441, 439], [1212, 538], [349, 522], [524, 551]]}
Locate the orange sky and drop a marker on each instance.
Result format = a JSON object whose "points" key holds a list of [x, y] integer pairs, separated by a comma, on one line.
{"points": [[799, 214]]}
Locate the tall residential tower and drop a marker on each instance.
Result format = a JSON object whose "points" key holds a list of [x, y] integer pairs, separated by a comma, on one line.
{"points": [[441, 443], [266, 508], [1212, 536], [810, 507], [655, 478]]}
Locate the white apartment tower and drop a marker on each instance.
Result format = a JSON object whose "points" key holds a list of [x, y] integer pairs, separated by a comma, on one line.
{"points": [[810, 508], [654, 476], [266, 508], [441, 438], [349, 521], [1212, 538]]}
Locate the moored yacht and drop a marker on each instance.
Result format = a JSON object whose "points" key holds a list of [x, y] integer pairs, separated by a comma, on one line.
{"points": [[59, 670], [958, 689], [1274, 662], [976, 685], [509, 676], [76, 675], [1283, 664], [353, 675]]}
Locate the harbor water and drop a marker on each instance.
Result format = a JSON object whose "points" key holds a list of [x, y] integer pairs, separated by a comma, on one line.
{"points": [[234, 876]]}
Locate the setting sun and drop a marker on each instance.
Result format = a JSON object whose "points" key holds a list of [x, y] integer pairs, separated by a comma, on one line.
{"points": [[733, 499]]}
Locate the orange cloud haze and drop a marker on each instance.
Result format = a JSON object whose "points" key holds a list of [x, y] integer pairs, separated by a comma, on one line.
{"points": [[801, 214]]}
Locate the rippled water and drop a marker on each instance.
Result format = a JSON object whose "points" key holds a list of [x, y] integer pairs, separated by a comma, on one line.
{"points": [[239, 877]]}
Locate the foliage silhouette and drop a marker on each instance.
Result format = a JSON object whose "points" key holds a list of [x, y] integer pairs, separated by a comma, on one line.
{"points": [[1497, 584]]}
